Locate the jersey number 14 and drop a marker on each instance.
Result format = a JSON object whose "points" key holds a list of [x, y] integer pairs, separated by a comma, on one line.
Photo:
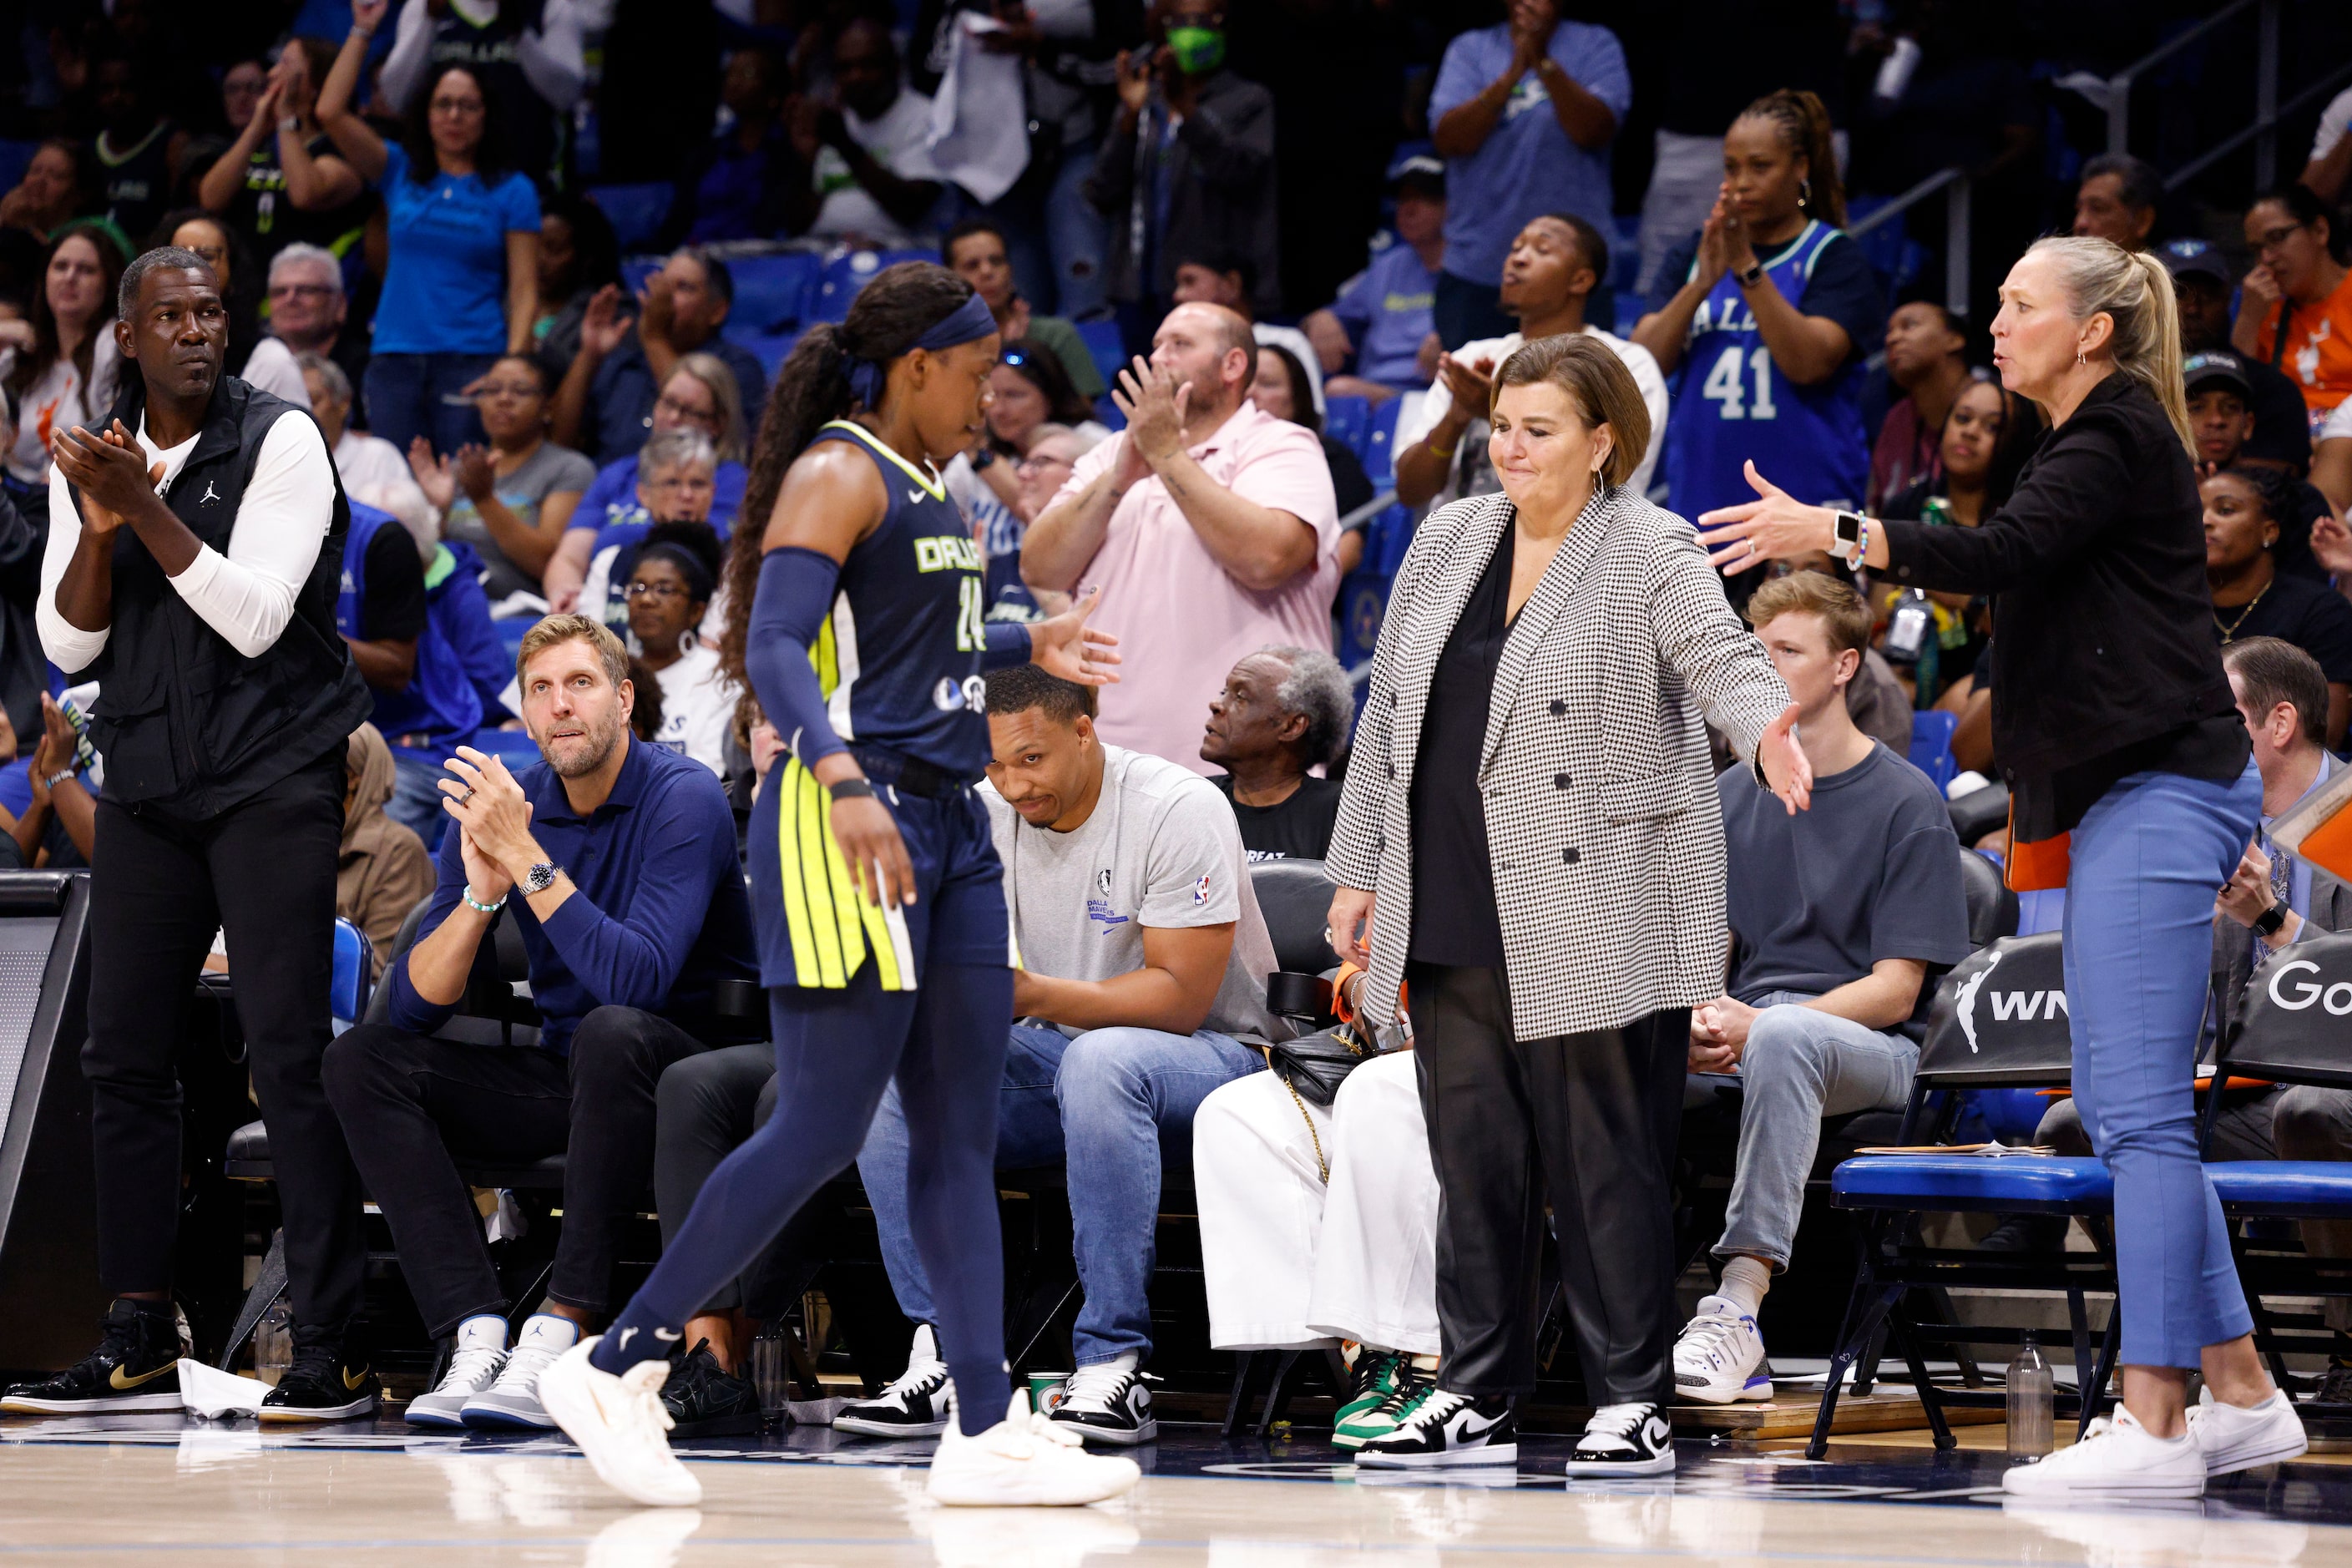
{"points": [[1727, 386]]}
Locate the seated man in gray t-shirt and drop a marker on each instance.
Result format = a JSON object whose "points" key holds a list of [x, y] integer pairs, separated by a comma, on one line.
{"points": [[1140, 972], [1839, 916]]}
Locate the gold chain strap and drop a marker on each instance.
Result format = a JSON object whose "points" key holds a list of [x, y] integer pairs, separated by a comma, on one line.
{"points": [[1322, 1165]]}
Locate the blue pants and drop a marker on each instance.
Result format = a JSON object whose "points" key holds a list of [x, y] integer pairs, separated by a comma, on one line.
{"points": [[836, 1051], [410, 395], [2147, 861], [1108, 1103], [416, 798]]}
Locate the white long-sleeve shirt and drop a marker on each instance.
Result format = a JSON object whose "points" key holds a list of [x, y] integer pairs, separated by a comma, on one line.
{"points": [[247, 595]]}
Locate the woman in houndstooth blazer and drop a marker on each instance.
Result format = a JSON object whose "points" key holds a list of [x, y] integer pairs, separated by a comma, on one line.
{"points": [[1531, 837]]}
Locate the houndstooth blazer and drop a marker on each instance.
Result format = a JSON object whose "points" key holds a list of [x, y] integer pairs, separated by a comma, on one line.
{"points": [[1602, 820]]}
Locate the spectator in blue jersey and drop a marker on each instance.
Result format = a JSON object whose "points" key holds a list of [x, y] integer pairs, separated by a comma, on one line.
{"points": [[461, 273], [1523, 113], [1381, 319], [677, 481], [608, 392], [629, 945], [700, 394], [1764, 318], [421, 635]]}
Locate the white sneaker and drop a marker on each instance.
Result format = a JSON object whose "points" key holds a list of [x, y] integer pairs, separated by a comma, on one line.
{"points": [[1720, 1357], [1024, 1461], [1625, 1440], [620, 1426], [513, 1401], [473, 1369], [2116, 1458], [2238, 1436], [913, 1405], [1109, 1402]]}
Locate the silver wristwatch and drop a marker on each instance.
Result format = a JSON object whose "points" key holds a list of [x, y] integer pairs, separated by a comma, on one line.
{"points": [[539, 878]]}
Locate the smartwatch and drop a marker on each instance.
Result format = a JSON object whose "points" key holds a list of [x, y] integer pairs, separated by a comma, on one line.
{"points": [[1750, 278], [2267, 923], [1852, 531], [852, 789]]}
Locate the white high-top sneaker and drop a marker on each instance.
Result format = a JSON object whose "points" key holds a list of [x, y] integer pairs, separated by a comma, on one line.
{"points": [[474, 1366], [1024, 1461], [913, 1405]]}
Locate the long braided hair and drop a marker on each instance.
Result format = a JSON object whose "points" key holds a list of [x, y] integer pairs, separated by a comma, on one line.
{"points": [[897, 307], [1804, 123]]}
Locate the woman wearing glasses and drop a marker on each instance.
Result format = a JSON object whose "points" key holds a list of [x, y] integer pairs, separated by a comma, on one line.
{"points": [[2297, 316], [461, 278], [1031, 395], [668, 590], [511, 500]]}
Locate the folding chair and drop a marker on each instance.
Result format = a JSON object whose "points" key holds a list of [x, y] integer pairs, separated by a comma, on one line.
{"points": [[2000, 1021], [2292, 1031]]}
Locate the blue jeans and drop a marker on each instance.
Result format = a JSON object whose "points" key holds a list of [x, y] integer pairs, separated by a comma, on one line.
{"points": [[2147, 861], [1112, 1103], [415, 802], [410, 395]]}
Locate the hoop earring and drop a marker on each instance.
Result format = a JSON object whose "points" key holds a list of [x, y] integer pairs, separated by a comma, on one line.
{"points": [[2079, 360]]}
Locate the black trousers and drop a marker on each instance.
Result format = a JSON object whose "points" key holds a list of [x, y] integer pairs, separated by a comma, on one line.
{"points": [[1588, 1120], [414, 1107], [161, 885], [710, 1104]]}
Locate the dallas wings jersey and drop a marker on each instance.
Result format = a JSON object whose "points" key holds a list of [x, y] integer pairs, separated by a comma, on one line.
{"points": [[1732, 403], [898, 660]]}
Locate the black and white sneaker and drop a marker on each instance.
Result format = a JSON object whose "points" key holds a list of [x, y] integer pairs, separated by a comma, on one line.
{"points": [[915, 1404], [136, 1366], [1442, 1428], [1625, 1440], [323, 1385], [1109, 1402]]}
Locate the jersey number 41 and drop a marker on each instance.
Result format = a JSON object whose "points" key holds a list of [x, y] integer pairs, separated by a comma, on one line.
{"points": [[1727, 387]]}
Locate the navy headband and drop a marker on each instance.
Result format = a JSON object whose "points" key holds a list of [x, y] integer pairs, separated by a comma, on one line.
{"points": [[968, 323]]}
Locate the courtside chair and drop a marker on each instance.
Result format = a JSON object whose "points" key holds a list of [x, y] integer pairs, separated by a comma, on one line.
{"points": [[1349, 421], [2293, 1030], [347, 992], [1931, 746], [2000, 1022]]}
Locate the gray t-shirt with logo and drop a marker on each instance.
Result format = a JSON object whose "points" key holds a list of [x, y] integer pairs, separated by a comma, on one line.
{"points": [[1160, 849]]}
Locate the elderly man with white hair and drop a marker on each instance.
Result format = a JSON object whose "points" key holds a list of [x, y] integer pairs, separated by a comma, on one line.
{"points": [[1285, 711], [309, 311]]}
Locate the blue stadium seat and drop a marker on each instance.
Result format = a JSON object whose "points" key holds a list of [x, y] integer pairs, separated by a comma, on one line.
{"points": [[347, 992], [636, 211], [769, 348], [1931, 745], [511, 631], [1972, 1183], [1106, 347], [1379, 451], [1349, 421], [843, 274], [1107, 413], [636, 270], [772, 292]]}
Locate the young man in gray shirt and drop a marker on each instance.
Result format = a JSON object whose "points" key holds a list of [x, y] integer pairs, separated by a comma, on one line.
{"points": [[1140, 965], [1839, 917]]}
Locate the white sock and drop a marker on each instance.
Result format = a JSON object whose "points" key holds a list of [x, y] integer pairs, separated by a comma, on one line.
{"points": [[1745, 1280], [546, 1327], [487, 1331]]}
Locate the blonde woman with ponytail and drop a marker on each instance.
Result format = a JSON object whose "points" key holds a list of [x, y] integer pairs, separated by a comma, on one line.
{"points": [[2130, 784], [1767, 316]]}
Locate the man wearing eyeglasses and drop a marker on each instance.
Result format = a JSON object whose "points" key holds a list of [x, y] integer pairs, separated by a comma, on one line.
{"points": [[308, 312]]}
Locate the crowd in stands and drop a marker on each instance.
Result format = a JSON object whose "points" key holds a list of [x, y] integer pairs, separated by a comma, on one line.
{"points": [[1232, 376]]}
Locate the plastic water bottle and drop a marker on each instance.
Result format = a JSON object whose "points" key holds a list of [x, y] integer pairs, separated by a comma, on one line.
{"points": [[2032, 1403]]}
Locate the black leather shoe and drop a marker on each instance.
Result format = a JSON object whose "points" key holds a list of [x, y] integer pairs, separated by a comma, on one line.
{"points": [[136, 1366], [705, 1401]]}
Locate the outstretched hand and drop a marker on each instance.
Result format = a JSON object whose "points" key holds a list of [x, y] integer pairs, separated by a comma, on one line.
{"points": [[1066, 646], [1786, 767], [1742, 538]]}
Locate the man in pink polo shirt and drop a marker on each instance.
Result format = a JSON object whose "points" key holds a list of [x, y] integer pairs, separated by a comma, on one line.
{"points": [[1210, 528]]}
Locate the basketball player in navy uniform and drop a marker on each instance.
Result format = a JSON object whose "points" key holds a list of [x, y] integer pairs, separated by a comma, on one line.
{"points": [[1765, 320], [859, 619]]}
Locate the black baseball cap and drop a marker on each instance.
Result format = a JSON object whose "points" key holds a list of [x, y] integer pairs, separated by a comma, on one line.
{"points": [[2200, 257], [2200, 370]]}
